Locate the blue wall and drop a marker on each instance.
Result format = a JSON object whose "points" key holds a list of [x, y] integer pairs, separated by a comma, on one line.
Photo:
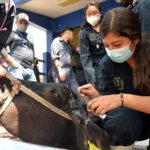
{"points": [[76, 18], [20, 2], [41, 20]]}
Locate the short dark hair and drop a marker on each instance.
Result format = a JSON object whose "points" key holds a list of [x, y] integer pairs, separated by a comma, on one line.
{"points": [[121, 21], [66, 28]]}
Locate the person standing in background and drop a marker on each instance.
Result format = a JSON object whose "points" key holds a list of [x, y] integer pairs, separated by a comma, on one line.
{"points": [[90, 43], [21, 51], [61, 55], [142, 9]]}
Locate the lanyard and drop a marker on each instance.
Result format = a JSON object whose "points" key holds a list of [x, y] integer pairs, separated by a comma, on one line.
{"points": [[25, 41], [20, 34]]}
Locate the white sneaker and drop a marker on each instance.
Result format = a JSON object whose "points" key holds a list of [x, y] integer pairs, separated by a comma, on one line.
{"points": [[131, 147]]}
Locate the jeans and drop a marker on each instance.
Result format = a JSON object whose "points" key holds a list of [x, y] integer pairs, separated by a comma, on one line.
{"points": [[22, 73], [125, 126]]}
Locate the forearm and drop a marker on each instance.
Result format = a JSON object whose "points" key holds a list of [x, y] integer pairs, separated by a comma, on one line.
{"points": [[57, 64], [139, 103], [10, 59]]}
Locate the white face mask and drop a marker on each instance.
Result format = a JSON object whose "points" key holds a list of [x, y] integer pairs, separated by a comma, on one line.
{"points": [[120, 55], [93, 20], [22, 27]]}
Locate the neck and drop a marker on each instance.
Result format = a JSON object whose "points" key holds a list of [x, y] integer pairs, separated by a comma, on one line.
{"points": [[64, 38], [131, 62], [96, 27]]}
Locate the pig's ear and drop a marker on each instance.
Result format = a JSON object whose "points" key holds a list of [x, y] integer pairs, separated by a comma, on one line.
{"points": [[97, 135], [82, 137]]}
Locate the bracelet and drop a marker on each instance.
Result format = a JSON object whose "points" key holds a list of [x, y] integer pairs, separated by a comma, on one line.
{"points": [[122, 99]]}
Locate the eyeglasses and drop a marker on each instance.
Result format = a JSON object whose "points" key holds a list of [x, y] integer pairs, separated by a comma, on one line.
{"points": [[92, 14]]}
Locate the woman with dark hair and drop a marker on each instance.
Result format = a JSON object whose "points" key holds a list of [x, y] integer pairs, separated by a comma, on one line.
{"points": [[124, 92], [90, 43]]}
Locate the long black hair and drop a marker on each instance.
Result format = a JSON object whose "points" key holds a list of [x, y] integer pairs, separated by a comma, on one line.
{"points": [[92, 3]]}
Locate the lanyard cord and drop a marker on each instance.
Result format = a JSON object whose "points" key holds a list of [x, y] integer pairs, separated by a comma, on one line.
{"points": [[21, 35]]}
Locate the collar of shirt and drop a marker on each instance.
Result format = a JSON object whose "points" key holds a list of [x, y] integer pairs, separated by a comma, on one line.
{"points": [[60, 39]]}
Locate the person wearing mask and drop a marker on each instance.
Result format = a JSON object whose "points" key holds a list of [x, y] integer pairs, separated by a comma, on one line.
{"points": [[124, 93], [21, 51], [142, 9], [61, 55], [91, 46]]}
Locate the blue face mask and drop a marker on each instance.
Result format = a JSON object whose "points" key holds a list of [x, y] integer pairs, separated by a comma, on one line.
{"points": [[120, 55]]}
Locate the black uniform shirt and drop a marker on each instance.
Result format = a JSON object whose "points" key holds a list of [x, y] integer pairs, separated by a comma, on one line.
{"points": [[115, 78], [91, 51]]}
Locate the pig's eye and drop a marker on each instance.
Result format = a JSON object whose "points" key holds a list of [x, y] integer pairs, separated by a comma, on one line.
{"points": [[55, 94]]}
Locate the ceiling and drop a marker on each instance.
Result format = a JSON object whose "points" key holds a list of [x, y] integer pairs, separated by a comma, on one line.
{"points": [[52, 9]]}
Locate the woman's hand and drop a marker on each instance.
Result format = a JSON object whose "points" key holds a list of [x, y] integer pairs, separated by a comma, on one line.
{"points": [[103, 104], [88, 90]]}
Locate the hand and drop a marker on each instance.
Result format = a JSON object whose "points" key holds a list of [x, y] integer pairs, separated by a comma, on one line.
{"points": [[78, 50], [88, 90], [62, 75], [15, 64], [2, 71], [103, 104]]}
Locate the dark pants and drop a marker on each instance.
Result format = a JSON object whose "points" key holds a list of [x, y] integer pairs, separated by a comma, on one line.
{"points": [[125, 126]]}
